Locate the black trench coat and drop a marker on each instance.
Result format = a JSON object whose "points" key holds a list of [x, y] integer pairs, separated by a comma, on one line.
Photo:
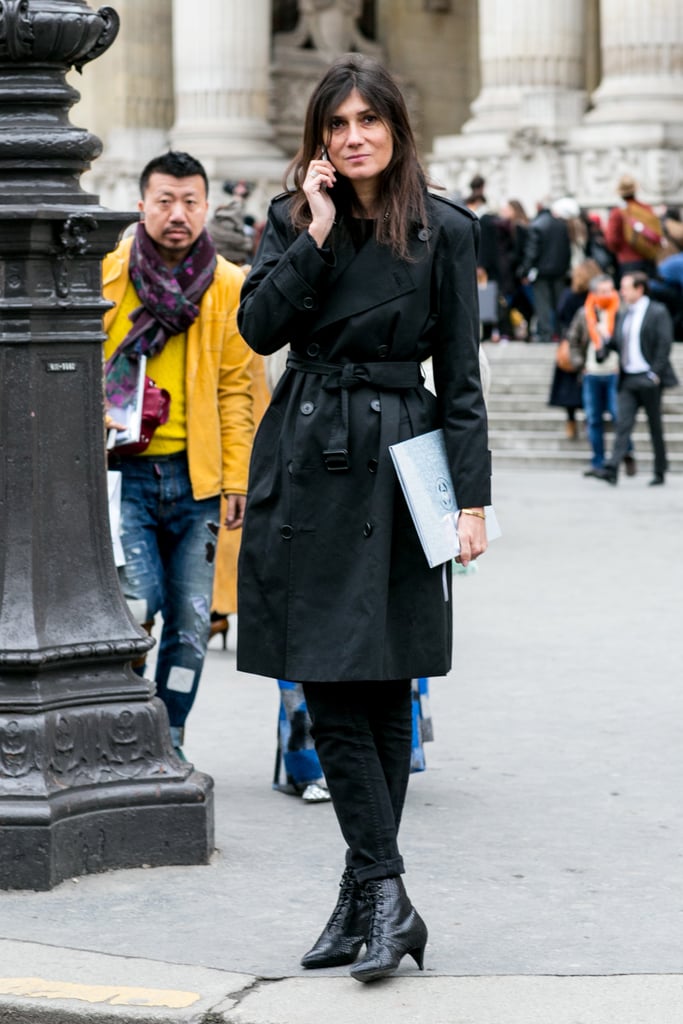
{"points": [[333, 583]]}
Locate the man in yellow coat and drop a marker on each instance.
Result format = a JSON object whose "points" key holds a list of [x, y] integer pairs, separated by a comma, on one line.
{"points": [[175, 303]]}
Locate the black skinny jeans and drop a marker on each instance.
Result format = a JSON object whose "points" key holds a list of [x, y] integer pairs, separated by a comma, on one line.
{"points": [[363, 734]]}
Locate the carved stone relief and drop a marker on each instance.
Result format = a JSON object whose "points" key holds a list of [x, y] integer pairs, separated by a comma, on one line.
{"points": [[324, 30], [659, 173], [329, 27]]}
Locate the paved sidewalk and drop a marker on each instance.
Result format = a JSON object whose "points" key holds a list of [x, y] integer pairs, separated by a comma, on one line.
{"points": [[120, 990], [544, 843]]}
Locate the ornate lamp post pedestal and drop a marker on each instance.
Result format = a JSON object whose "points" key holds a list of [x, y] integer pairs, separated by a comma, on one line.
{"points": [[88, 777]]}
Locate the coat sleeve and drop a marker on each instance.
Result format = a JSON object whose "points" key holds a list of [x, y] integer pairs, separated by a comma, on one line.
{"points": [[577, 335], [283, 290], [235, 400], [614, 232], [455, 350], [663, 327], [532, 246]]}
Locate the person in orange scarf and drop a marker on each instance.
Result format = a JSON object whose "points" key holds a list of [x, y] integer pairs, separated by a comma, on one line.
{"points": [[589, 331]]}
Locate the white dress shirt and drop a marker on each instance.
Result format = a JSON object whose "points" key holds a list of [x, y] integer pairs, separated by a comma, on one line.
{"points": [[632, 358]]}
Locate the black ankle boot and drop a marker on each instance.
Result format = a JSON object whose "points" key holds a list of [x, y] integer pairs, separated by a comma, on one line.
{"points": [[396, 928], [346, 930]]}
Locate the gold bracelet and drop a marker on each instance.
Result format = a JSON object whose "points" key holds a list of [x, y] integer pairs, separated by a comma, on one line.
{"points": [[473, 512]]}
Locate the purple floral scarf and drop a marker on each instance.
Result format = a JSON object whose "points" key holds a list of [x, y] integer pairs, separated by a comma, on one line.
{"points": [[170, 304]]}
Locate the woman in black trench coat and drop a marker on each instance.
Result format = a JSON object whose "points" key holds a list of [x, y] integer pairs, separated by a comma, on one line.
{"points": [[364, 274]]}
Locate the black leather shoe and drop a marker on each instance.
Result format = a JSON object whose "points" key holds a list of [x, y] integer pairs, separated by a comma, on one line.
{"points": [[396, 928], [346, 931], [607, 474], [657, 480]]}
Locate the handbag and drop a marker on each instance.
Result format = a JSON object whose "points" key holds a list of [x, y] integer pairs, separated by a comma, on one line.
{"points": [[563, 357], [156, 404]]}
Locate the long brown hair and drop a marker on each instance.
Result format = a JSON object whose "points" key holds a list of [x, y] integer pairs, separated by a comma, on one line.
{"points": [[402, 186], [520, 214], [582, 275]]}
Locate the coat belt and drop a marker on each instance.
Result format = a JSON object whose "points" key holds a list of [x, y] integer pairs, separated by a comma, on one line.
{"points": [[343, 378]]}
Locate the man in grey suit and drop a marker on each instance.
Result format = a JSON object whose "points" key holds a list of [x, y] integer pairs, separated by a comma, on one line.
{"points": [[643, 335]]}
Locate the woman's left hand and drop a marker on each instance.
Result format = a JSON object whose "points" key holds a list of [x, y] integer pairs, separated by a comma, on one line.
{"points": [[472, 536]]}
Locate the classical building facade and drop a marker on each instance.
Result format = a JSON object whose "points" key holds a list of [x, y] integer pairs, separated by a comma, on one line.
{"points": [[541, 98]]}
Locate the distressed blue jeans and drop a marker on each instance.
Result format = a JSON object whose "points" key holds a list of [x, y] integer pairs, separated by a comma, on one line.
{"points": [[164, 534]]}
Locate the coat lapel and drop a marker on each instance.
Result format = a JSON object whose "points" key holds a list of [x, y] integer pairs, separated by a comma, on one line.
{"points": [[371, 277]]}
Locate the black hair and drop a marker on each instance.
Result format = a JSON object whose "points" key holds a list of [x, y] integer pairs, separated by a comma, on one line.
{"points": [[174, 163], [639, 278]]}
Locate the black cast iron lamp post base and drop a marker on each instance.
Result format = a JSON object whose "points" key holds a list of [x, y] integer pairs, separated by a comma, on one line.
{"points": [[88, 777]]}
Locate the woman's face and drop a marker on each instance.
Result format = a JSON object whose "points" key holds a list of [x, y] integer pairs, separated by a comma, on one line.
{"points": [[359, 143]]}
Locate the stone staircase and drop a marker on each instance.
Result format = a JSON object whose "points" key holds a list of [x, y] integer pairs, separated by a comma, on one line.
{"points": [[525, 431]]}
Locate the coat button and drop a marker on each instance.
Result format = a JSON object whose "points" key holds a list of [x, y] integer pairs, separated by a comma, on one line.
{"points": [[313, 350], [424, 234], [307, 408], [286, 532], [382, 351], [372, 465], [308, 302], [367, 529], [376, 405]]}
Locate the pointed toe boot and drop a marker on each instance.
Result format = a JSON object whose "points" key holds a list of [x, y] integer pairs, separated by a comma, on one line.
{"points": [[396, 928], [347, 929]]}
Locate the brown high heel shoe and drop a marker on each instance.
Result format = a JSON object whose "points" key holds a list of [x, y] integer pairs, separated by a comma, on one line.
{"points": [[220, 625]]}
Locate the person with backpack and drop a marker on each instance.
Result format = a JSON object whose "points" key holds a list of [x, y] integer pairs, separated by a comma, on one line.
{"points": [[634, 232]]}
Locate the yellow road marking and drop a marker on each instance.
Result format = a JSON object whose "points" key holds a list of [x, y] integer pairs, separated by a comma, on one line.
{"points": [[114, 995]]}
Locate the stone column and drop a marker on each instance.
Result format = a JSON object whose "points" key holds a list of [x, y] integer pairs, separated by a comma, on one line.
{"points": [[531, 60], [532, 79], [636, 121], [221, 66], [127, 97]]}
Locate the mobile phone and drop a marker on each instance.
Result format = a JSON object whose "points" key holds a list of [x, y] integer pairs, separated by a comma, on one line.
{"points": [[324, 155]]}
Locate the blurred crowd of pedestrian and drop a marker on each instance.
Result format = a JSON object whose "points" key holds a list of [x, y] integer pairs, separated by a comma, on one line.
{"points": [[526, 264], [608, 291]]}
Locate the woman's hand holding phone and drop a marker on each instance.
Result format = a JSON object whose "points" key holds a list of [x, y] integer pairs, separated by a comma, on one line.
{"points": [[320, 176]]}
